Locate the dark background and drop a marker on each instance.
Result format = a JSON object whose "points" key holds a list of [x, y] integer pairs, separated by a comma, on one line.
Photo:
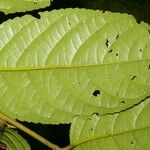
{"points": [[59, 134], [139, 8]]}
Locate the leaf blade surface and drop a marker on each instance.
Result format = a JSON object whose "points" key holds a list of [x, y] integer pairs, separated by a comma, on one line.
{"points": [[13, 6], [51, 68], [123, 130]]}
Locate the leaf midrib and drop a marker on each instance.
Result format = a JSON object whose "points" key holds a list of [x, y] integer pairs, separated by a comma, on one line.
{"points": [[108, 136], [68, 66]]}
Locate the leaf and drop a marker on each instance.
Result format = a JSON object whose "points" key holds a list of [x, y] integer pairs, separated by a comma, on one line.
{"points": [[72, 62], [14, 141], [128, 129], [12, 6]]}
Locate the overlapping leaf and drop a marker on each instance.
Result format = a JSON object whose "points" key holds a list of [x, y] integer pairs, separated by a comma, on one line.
{"points": [[12, 6], [128, 129], [13, 140], [72, 63]]}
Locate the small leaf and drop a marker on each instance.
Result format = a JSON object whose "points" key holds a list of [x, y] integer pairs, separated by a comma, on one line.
{"points": [[123, 130], [13, 141], [12, 6], [72, 62]]}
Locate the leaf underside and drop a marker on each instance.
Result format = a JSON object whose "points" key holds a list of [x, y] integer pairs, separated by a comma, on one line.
{"points": [[13, 140], [73, 62], [125, 130], [12, 6]]}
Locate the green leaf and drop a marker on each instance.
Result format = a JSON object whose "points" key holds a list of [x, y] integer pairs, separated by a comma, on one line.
{"points": [[13, 140], [72, 62], [12, 6], [129, 129]]}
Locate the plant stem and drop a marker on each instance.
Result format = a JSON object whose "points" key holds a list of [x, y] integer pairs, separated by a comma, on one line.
{"points": [[69, 147], [18, 125]]}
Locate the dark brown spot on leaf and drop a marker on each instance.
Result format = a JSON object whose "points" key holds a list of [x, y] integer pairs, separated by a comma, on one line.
{"points": [[36, 1], [133, 77], [140, 50], [117, 36], [107, 43], [110, 51], [132, 142], [117, 54], [148, 31], [96, 93], [95, 113], [149, 66], [123, 102]]}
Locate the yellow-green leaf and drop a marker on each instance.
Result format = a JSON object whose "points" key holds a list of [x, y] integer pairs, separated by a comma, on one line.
{"points": [[72, 62], [12, 6], [128, 129]]}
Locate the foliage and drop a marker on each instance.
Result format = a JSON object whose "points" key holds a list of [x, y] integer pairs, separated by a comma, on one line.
{"points": [[11, 6], [79, 66], [14, 141], [121, 130]]}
